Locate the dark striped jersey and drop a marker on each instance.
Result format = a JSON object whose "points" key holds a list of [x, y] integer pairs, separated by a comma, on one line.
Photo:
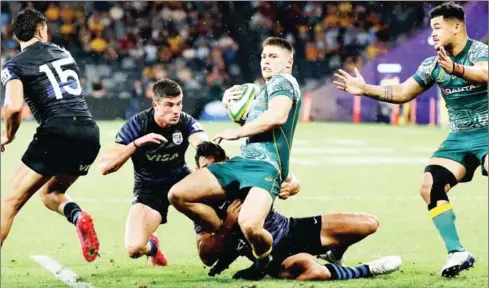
{"points": [[51, 81], [275, 223], [160, 164]]}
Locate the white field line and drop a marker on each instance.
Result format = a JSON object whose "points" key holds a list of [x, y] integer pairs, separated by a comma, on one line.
{"points": [[346, 141], [342, 161], [336, 146], [66, 275], [380, 199], [340, 150], [421, 149]]}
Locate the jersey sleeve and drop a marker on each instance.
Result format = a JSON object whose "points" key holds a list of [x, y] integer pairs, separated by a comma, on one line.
{"points": [[478, 52], [9, 72], [131, 130], [191, 125], [280, 86], [424, 75]]}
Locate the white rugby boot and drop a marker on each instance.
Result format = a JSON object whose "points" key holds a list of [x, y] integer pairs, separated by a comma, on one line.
{"points": [[456, 262], [385, 265]]}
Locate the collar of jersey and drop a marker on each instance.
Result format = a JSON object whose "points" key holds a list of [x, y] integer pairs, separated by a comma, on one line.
{"points": [[32, 45], [464, 51]]}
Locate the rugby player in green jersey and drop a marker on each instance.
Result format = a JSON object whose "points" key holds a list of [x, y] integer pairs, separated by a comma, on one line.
{"points": [[264, 161], [460, 70]]}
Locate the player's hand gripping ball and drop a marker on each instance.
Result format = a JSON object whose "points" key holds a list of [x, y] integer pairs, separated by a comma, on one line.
{"points": [[239, 99]]}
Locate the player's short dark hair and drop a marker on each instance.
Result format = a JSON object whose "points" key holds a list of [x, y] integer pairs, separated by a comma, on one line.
{"points": [[166, 88], [25, 24], [448, 10], [208, 149], [279, 42]]}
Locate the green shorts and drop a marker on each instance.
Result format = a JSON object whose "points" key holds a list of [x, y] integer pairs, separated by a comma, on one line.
{"points": [[467, 148], [238, 175]]}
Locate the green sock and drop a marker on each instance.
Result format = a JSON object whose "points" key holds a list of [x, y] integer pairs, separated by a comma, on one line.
{"points": [[444, 220]]}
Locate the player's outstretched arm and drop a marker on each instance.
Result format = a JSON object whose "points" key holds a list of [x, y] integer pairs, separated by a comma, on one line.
{"points": [[276, 115], [14, 101], [211, 245], [115, 158], [398, 93]]}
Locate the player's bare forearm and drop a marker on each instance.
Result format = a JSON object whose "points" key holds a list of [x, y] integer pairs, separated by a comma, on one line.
{"points": [[397, 94], [12, 122], [275, 116], [265, 122], [116, 157], [14, 102], [389, 94], [210, 245], [476, 74]]}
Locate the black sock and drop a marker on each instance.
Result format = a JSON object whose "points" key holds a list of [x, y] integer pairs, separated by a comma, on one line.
{"points": [[338, 252], [153, 250], [344, 273], [72, 211]]}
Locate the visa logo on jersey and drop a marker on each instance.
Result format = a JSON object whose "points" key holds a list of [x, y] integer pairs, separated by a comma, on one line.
{"points": [[161, 157], [84, 168]]}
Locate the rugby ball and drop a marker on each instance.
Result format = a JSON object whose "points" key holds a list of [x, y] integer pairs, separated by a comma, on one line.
{"points": [[238, 109]]}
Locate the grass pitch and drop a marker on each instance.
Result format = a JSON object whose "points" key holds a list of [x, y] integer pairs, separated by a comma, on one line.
{"points": [[343, 167]]}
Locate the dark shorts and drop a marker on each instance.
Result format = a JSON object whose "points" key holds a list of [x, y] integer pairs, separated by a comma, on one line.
{"points": [[157, 200], [67, 145], [304, 237], [156, 196]]}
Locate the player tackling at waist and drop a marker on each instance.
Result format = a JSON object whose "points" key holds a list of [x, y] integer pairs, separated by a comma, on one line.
{"points": [[295, 240], [263, 165]]}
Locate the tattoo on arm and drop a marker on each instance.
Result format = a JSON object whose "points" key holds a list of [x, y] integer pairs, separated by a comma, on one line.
{"points": [[387, 94]]}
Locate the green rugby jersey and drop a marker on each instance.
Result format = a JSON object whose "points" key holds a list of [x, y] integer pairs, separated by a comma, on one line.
{"points": [[467, 103], [274, 146]]}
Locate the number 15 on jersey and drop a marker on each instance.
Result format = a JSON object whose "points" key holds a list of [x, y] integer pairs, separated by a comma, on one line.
{"points": [[63, 76]]}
